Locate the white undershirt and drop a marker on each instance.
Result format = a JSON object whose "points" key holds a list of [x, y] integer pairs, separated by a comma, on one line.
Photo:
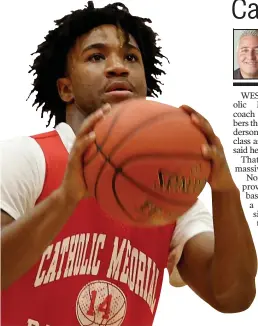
{"points": [[22, 181]]}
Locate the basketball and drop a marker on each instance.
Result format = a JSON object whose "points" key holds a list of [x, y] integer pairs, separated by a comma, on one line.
{"points": [[146, 166]]}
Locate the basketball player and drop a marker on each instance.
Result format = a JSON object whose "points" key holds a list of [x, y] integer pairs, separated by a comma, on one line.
{"points": [[64, 261]]}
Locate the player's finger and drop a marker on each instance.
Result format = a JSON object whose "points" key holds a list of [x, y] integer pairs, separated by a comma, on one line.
{"points": [[89, 122], [205, 127], [92, 119], [187, 109], [196, 116], [193, 113], [202, 123], [106, 108], [212, 152], [82, 144]]}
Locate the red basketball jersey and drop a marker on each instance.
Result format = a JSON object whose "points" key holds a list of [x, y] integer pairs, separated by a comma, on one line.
{"points": [[95, 272]]}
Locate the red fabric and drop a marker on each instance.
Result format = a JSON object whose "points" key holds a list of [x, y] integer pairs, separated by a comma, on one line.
{"points": [[87, 288]]}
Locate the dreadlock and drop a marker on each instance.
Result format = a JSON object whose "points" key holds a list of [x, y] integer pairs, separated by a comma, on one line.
{"points": [[50, 64]]}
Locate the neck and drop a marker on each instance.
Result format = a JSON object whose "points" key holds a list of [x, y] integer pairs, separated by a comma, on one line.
{"points": [[74, 117]]}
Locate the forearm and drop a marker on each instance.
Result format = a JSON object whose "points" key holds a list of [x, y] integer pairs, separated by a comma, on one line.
{"points": [[234, 263], [23, 241]]}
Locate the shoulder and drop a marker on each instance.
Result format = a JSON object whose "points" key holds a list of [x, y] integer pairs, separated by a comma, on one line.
{"points": [[237, 74], [23, 143], [23, 164], [21, 152]]}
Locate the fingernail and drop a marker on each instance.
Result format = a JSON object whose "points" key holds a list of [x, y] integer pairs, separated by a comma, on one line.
{"points": [[106, 107], [205, 149], [195, 118], [99, 113], [92, 135]]}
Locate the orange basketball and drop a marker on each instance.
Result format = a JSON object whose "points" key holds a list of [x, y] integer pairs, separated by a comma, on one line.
{"points": [[146, 167]]}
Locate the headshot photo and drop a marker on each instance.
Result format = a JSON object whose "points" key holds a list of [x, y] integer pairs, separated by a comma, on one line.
{"points": [[246, 54]]}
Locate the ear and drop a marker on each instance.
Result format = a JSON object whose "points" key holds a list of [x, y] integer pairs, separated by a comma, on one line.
{"points": [[65, 89]]}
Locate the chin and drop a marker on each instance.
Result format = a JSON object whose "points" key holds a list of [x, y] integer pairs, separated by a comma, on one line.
{"points": [[251, 74], [118, 96]]}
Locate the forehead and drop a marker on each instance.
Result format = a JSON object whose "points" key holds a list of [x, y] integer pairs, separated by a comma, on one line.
{"points": [[249, 41], [107, 34]]}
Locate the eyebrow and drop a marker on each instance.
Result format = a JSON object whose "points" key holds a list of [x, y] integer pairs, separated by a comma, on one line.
{"points": [[248, 47], [105, 46]]}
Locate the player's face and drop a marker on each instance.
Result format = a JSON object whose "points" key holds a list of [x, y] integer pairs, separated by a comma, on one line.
{"points": [[248, 56], [103, 68]]}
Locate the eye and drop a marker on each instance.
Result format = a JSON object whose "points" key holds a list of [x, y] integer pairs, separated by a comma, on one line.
{"points": [[132, 57], [96, 57]]}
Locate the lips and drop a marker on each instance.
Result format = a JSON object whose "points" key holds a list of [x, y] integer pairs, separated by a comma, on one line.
{"points": [[253, 63], [118, 86]]}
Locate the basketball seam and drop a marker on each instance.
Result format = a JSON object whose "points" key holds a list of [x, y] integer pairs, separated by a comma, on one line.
{"points": [[122, 141], [162, 155], [139, 186], [148, 190], [114, 120]]}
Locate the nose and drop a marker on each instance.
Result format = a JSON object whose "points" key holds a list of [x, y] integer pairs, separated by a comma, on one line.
{"points": [[252, 55], [116, 67]]}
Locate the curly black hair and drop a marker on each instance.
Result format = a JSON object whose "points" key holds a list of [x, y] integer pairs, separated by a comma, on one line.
{"points": [[51, 62]]}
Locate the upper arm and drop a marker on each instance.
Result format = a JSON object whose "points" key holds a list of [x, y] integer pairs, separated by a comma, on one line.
{"points": [[23, 166]]}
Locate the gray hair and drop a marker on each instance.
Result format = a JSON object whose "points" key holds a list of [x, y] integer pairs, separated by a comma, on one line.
{"points": [[247, 32]]}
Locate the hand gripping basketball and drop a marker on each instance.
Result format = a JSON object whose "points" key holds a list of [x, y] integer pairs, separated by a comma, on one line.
{"points": [[74, 186]]}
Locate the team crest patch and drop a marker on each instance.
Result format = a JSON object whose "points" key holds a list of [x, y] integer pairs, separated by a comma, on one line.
{"points": [[101, 303]]}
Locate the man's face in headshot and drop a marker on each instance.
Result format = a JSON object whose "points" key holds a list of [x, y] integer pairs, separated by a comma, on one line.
{"points": [[248, 56]]}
